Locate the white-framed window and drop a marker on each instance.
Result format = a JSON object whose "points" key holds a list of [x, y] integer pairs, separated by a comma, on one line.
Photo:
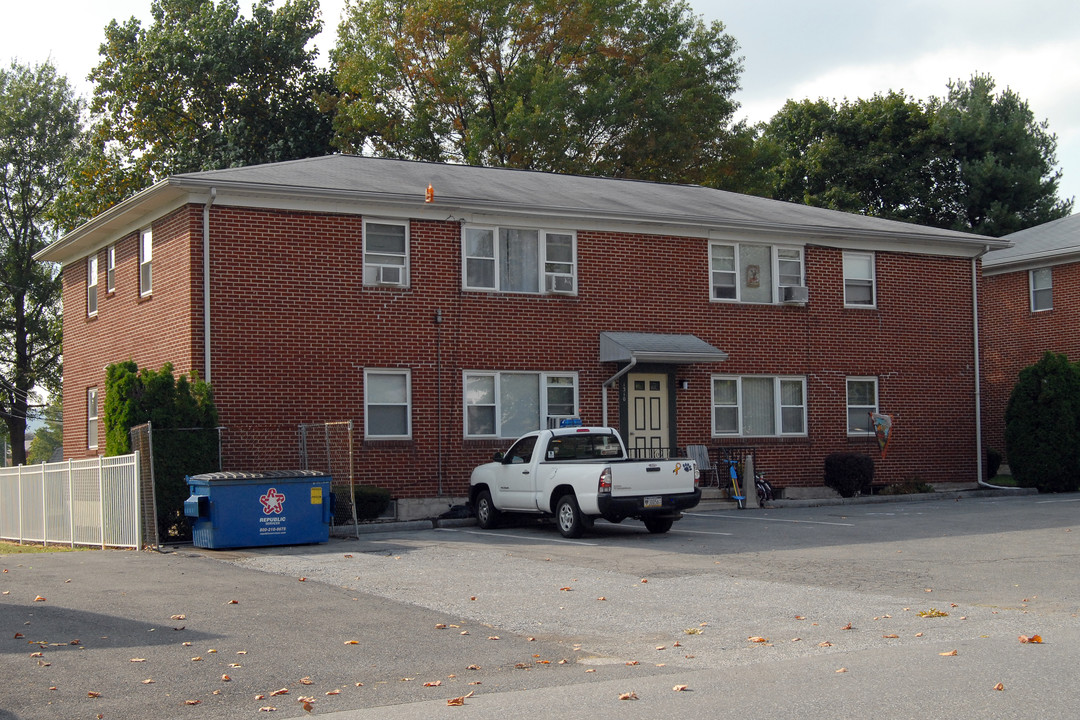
{"points": [[1042, 289], [744, 272], [110, 269], [91, 418], [146, 257], [387, 404], [758, 406], [386, 253], [91, 285], [860, 286], [862, 399], [519, 260], [509, 404]]}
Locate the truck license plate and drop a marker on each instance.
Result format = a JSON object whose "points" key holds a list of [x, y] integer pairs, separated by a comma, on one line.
{"points": [[654, 501]]}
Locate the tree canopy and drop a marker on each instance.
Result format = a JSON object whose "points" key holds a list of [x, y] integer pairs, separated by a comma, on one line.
{"points": [[621, 88], [39, 127], [201, 88], [972, 161]]}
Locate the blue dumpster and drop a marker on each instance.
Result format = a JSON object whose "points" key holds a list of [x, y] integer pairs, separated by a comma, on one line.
{"points": [[246, 509]]}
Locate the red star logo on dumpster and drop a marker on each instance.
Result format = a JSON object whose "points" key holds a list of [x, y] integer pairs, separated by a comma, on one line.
{"points": [[272, 502]]}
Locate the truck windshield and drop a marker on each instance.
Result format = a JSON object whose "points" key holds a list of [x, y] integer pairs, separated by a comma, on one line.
{"points": [[584, 447]]}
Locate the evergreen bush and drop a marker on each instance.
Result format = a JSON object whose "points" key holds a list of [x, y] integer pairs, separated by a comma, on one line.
{"points": [[1042, 426], [184, 419], [849, 474]]}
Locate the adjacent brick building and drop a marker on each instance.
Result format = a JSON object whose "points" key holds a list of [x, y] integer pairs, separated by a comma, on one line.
{"points": [[445, 309], [1031, 304]]}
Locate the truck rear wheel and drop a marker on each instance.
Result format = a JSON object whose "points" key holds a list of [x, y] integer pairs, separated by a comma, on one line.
{"points": [[658, 525], [568, 517], [486, 514]]}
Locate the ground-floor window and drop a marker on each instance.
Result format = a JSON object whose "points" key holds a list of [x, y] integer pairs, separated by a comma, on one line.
{"points": [[758, 406], [509, 404], [91, 418], [387, 411], [862, 400]]}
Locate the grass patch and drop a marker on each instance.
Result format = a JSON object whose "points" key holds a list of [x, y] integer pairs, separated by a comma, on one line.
{"points": [[1004, 481], [12, 548]]}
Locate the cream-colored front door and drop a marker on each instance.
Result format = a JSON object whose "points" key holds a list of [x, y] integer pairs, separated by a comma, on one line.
{"points": [[647, 409]]}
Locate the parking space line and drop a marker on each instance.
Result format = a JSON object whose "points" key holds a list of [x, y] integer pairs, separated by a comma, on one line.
{"points": [[769, 519], [1043, 502], [700, 532], [488, 533]]}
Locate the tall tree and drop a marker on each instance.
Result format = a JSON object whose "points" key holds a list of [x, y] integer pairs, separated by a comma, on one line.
{"points": [[39, 126], [973, 161], [1002, 176], [201, 88], [624, 88]]}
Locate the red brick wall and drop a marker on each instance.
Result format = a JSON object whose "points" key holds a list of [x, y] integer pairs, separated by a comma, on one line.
{"points": [[294, 328], [1013, 337], [150, 330]]}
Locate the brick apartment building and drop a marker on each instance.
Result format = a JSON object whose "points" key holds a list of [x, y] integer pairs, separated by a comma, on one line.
{"points": [[445, 322], [1031, 304]]}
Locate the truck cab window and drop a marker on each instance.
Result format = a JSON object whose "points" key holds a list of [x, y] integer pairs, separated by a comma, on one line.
{"points": [[521, 451]]}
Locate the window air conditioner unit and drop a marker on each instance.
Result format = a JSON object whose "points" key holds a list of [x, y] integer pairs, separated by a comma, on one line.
{"points": [[794, 294], [563, 284], [388, 275]]}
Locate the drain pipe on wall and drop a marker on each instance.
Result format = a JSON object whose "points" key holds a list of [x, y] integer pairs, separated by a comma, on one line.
{"points": [[978, 374], [611, 380], [206, 281]]}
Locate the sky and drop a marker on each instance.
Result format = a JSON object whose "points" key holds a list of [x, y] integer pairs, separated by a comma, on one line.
{"points": [[834, 49]]}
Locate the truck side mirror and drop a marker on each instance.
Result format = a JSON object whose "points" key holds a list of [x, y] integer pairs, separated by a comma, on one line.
{"points": [[497, 457]]}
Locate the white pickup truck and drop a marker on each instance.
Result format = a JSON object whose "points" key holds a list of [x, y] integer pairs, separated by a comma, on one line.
{"points": [[578, 474]]}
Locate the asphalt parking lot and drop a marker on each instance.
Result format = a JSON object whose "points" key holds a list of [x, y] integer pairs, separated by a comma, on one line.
{"points": [[831, 611]]}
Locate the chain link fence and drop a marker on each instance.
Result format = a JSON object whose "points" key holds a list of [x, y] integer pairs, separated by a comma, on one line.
{"points": [[168, 456], [328, 447]]}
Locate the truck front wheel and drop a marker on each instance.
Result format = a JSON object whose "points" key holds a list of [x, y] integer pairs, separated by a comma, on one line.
{"points": [[568, 516], [658, 525], [486, 514]]}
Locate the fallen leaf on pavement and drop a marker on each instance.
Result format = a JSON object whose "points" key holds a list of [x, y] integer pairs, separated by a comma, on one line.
{"points": [[306, 681], [842, 670], [680, 688], [433, 683], [282, 691], [39, 599], [192, 702], [757, 639], [459, 700], [948, 654], [93, 693], [999, 686], [628, 696]]}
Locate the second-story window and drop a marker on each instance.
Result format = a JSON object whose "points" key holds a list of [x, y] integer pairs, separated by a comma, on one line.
{"points": [[386, 253], [1042, 289], [519, 260], [743, 272], [91, 285], [110, 269], [146, 256], [860, 288]]}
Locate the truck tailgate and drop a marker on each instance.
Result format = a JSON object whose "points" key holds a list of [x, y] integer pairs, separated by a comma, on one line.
{"points": [[651, 477]]}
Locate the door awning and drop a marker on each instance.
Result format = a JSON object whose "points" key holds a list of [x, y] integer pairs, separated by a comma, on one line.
{"points": [[657, 348]]}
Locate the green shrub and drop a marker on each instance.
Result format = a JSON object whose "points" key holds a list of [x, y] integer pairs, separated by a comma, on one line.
{"points": [[184, 419], [371, 501], [993, 462], [849, 474], [1042, 426]]}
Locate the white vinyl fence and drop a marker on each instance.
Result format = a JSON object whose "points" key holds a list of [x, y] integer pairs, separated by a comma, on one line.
{"points": [[76, 502]]}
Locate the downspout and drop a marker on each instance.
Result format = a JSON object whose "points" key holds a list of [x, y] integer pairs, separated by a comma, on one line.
{"points": [[206, 281], [978, 374], [611, 380]]}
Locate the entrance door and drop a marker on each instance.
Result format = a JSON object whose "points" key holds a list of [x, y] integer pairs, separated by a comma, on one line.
{"points": [[647, 408]]}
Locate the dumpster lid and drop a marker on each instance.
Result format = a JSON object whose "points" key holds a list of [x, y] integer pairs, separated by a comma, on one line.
{"points": [[265, 475]]}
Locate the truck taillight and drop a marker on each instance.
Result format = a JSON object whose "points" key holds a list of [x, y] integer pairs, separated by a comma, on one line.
{"points": [[605, 482]]}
